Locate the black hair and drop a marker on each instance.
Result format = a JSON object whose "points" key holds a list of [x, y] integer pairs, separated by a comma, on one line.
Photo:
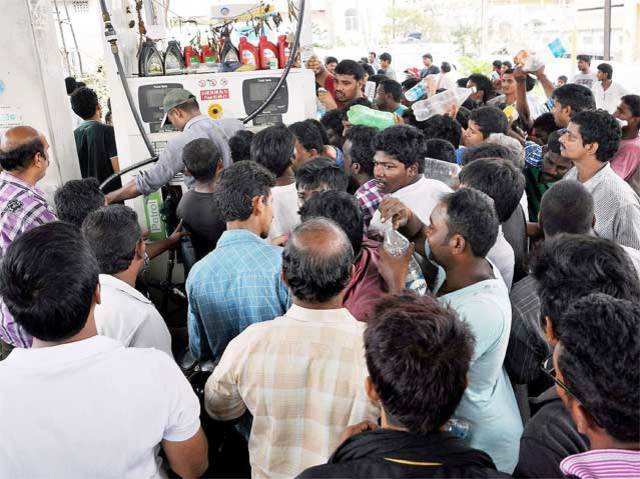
{"points": [[362, 146], [599, 127], [483, 84], [497, 63], [201, 157], [359, 101], [375, 55], [563, 78], [462, 116], [507, 64], [490, 120], [578, 97], [320, 128], [321, 171], [21, 157], [441, 150], [338, 206], [462, 82], [48, 277], [443, 127], [566, 207], [428, 55], [553, 143], [80, 84], [113, 233], [546, 123], [84, 102], [332, 120], [76, 199], [308, 136], [330, 60], [273, 148], [530, 82], [584, 58], [633, 102], [598, 360], [418, 355], [486, 150], [238, 185], [240, 145], [499, 179], [70, 85], [569, 267], [315, 274], [409, 83], [385, 57], [404, 143], [392, 87], [367, 68], [471, 214], [350, 67], [607, 69], [445, 67], [378, 78]]}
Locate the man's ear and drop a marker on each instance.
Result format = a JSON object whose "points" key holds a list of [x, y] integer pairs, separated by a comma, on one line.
{"points": [[457, 243], [219, 168], [355, 168], [370, 389], [257, 204], [96, 294], [592, 148], [140, 249]]}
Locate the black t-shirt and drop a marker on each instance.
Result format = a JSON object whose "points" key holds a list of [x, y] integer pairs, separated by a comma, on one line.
{"points": [[96, 145], [201, 217]]}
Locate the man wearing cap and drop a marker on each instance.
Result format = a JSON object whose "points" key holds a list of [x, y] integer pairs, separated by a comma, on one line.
{"points": [[183, 112]]}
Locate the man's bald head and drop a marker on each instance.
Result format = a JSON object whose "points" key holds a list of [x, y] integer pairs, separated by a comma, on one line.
{"points": [[20, 146], [317, 261]]}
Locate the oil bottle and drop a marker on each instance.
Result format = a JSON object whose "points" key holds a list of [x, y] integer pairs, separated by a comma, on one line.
{"points": [[149, 60], [173, 59]]}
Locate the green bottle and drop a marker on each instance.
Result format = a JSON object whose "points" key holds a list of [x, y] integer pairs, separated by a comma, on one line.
{"points": [[362, 115]]}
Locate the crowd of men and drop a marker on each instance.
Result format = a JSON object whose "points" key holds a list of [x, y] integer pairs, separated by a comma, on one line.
{"points": [[503, 341]]}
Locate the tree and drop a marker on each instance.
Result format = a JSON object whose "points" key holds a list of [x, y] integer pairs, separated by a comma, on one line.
{"points": [[466, 38], [404, 20]]}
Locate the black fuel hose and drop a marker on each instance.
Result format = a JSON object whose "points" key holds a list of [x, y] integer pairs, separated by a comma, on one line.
{"points": [[287, 68], [126, 170]]}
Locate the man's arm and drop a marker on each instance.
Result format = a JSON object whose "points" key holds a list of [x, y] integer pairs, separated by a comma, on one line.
{"points": [[522, 104], [189, 459], [545, 82], [222, 399], [127, 192], [156, 248]]}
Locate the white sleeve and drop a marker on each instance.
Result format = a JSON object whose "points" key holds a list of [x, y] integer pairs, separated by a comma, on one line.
{"points": [[153, 333], [184, 411]]}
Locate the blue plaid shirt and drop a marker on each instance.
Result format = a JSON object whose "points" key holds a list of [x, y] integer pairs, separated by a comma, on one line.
{"points": [[236, 285]]}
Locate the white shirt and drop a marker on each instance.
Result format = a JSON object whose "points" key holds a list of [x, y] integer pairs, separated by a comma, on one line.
{"points": [[634, 256], [446, 81], [93, 409], [126, 315], [610, 98], [585, 79], [503, 257], [285, 210], [420, 197]]}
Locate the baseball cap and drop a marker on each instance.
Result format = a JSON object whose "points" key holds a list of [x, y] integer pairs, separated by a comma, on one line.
{"points": [[174, 98]]}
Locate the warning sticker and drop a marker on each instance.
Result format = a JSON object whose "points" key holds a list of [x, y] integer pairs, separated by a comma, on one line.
{"points": [[216, 94]]}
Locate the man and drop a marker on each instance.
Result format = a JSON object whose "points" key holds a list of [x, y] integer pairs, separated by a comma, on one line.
{"points": [[300, 375], [582, 366], [320, 174], [181, 109], [240, 145], [238, 283], [358, 155], [95, 141], [483, 122], [118, 404], [308, 141], [607, 92], [429, 67], [462, 230], [411, 344], [389, 96], [343, 86], [197, 209], [24, 157], [504, 184], [445, 80], [484, 90], [527, 104], [568, 268], [399, 167], [330, 64], [373, 60], [540, 179], [385, 66], [626, 161], [590, 141], [569, 100], [123, 314], [562, 80], [584, 77], [274, 148], [442, 127], [496, 71]]}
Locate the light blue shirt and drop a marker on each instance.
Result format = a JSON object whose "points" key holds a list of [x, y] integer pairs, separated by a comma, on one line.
{"points": [[234, 286], [489, 404]]}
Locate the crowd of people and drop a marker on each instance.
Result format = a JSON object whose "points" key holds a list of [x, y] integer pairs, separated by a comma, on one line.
{"points": [[501, 340]]}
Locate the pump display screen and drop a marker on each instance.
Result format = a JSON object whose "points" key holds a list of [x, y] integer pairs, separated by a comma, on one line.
{"points": [[256, 90], [150, 98], [261, 91]]}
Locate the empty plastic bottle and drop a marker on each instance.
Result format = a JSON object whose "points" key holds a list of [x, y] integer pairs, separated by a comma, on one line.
{"points": [[362, 115], [441, 103], [417, 92], [396, 245]]}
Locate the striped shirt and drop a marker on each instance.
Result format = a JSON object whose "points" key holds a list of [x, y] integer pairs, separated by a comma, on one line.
{"points": [[369, 198], [302, 378], [616, 206], [22, 208], [602, 464]]}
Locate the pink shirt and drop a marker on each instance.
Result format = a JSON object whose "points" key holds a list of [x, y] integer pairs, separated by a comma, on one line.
{"points": [[626, 161]]}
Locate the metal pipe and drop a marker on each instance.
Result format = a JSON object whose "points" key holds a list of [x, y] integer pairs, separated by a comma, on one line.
{"points": [[64, 43], [287, 68], [607, 30], [73, 37]]}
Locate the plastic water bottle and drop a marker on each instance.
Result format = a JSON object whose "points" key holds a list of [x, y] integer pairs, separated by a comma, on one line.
{"points": [[370, 90], [557, 49], [458, 427], [441, 103], [417, 92], [396, 245], [362, 115]]}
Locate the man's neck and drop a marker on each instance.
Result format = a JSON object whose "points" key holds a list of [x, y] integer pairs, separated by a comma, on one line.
{"points": [[96, 117], [466, 273], [601, 440], [286, 178], [25, 176], [204, 186], [630, 132], [129, 275], [88, 331], [510, 99], [587, 168], [249, 225], [334, 303]]}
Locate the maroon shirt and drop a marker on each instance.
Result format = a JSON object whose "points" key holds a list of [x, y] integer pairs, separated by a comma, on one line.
{"points": [[366, 285]]}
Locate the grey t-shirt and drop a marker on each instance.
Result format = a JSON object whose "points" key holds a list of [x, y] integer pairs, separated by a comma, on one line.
{"points": [[203, 220]]}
